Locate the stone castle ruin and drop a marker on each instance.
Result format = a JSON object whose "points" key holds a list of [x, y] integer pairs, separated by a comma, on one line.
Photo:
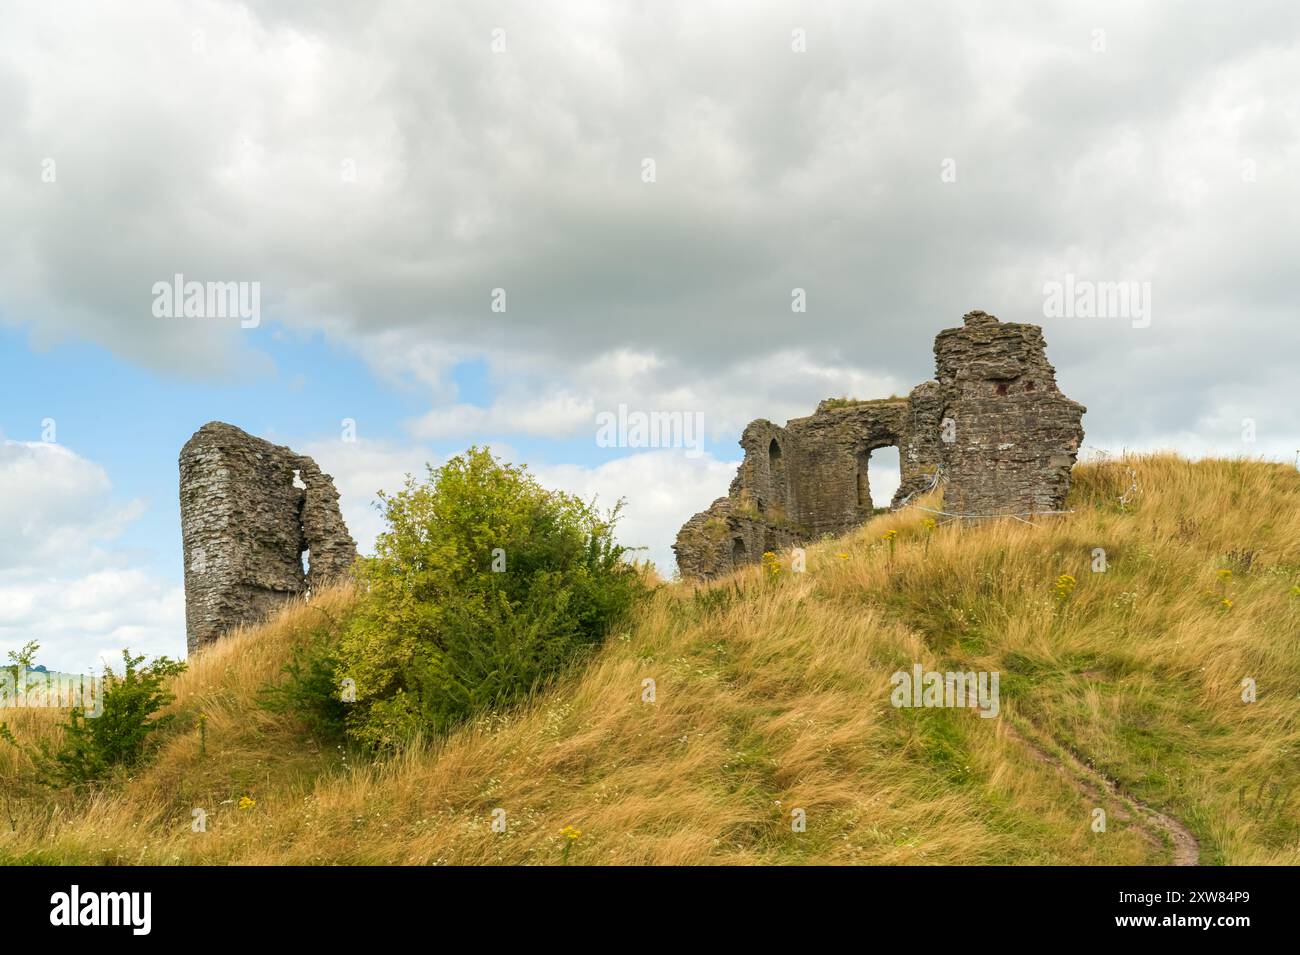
{"points": [[259, 525], [993, 430]]}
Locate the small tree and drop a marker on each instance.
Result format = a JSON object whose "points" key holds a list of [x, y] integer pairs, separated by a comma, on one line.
{"points": [[483, 586], [20, 661], [310, 692], [90, 746]]}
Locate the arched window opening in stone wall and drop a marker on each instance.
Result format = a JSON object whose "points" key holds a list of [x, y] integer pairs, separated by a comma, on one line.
{"points": [[884, 466], [776, 469]]}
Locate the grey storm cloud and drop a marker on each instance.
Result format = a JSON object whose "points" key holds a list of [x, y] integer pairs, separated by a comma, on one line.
{"points": [[380, 169]]}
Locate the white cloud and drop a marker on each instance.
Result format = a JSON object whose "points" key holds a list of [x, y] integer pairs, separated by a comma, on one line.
{"points": [[662, 490], [552, 415], [55, 506], [87, 620], [233, 158], [534, 400], [61, 583]]}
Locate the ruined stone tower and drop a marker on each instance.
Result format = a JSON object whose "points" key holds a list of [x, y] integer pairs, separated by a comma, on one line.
{"points": [[993, 430], [1015, 435], [259, 524]]}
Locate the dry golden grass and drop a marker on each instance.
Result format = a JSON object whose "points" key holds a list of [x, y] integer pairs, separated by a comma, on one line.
{"points": [[773, 695]]}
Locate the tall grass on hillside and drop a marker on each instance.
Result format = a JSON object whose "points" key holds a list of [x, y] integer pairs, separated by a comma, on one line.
{"points": [[725, 713]]}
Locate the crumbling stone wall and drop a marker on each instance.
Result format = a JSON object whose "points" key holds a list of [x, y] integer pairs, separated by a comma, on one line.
{"points": [[252, 515], [1016, 436], [993, 430]]}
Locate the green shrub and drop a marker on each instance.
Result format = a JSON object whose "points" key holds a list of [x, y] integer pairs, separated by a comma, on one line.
{"points": [[90, 746], [310, 691], [483, 587]]}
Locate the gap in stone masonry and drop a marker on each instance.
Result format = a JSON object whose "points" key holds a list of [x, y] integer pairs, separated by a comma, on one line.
{"points": [[304, 551], [883, 466], [776, 474]]}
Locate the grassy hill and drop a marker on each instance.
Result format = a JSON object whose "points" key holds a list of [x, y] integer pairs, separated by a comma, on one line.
{"points": [[772, 689]]}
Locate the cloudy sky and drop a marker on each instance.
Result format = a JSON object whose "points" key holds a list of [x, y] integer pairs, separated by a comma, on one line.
{"points": [[646, 183]]}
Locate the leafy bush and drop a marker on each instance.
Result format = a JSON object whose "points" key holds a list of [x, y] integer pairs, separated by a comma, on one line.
{"points": [[90, 746], [484, 586], [310, 691]]}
